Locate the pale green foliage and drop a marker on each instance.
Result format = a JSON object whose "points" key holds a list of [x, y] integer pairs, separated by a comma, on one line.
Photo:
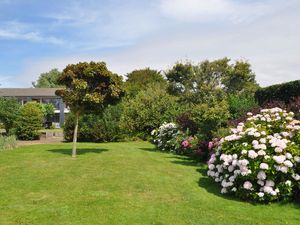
{"points": [[48, 111], [29, 121], [139, 80], [8, 142], [48, 80], [210, 117], [148, 110]]}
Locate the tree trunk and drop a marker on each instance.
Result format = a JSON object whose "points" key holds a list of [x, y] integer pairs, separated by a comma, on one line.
{"points": [[75, 135]]}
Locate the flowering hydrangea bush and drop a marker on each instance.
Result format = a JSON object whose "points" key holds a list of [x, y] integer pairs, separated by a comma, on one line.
{"points": [[186, 144], [165, 137], [260, 160]]}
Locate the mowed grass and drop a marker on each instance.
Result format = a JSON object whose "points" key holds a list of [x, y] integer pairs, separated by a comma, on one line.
{"points": [[119, 183]]}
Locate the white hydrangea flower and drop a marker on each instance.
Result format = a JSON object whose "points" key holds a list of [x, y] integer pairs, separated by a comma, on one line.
{"points": [[288, 163], [252, 154], [261, 175], [261, 152], [297, 159], [261, 183], [279, 159], [247, 185], [260, 194], [264, 166], [288, 183], [296, 177], [270, 183]]}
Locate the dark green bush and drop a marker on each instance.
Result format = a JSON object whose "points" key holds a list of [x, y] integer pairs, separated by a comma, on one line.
{"points": [[29, 121], [102, 127], [240, 104], [279, 92]]}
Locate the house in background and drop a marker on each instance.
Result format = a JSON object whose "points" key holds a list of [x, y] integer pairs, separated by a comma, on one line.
{"points": [[40, 95]]}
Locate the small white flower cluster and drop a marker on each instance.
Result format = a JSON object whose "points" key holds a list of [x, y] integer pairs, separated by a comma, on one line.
{"points": [[163, 135], [260, 159]]}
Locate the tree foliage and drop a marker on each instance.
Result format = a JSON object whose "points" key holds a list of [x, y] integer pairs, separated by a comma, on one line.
{"points": [[139, 80], [9, 108], [48, 79], [240, 79], [88, 87], [209, 79]]}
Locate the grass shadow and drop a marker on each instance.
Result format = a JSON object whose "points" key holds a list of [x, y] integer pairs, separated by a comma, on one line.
{"points": [[154, 150], [185, 161], [80, 151]]}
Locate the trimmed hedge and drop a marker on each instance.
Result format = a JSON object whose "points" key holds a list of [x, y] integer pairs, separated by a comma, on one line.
{"points": [[279, 92]]}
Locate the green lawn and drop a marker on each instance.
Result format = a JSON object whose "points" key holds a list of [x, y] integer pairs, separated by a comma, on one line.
{"points": [[119, 183]]}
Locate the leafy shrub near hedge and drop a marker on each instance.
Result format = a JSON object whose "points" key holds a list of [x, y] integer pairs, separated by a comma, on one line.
{"points": [[8, 142], [147, 111], [101, 127], [29, 121], [260, 160], [279, 92], [240, 104]]}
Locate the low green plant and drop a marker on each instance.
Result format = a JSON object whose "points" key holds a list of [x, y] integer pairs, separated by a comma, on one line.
{"points": [[8, 142]]}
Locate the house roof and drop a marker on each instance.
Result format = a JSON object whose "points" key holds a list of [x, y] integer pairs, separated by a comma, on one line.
{"points": [[28, 92]]}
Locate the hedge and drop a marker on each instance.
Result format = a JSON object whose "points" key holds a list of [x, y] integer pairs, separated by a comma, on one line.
{"points": [[279, 92]]}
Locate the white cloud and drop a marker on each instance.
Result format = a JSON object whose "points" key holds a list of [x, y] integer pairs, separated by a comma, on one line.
{"points": [[215, 10], [20, 31], [194, 9], [29, 36]]}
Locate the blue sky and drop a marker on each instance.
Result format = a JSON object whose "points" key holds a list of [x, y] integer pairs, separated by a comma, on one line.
{"points": [[36, 36]]}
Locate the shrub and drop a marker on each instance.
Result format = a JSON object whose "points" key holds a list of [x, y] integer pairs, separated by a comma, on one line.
{"points": [[147, 111], [186, 123], [9, 108], [186, 144], [240, 104], [294, 106], [279, 92], [168, 138], [48, 111], [259, 161], [101, 127], [29, 121], [165, 137], [8, 142], [210, 118]]}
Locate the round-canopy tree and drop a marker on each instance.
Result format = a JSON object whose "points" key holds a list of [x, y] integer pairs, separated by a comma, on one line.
{"points": [[88, 87]]}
